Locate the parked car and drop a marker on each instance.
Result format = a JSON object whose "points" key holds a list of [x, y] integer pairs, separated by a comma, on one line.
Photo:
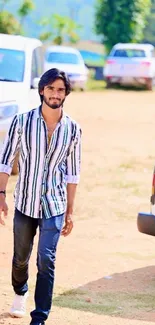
{"points": [[131, 64], [70, 61], [21, 65]]}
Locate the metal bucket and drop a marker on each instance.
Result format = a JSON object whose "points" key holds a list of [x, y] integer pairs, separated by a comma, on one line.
{"points": [[146, 223]]}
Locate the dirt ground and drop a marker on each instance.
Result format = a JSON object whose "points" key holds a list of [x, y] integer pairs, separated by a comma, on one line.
{"points": [[105, 270]]}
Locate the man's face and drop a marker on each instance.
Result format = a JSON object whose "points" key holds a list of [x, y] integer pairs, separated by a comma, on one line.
{"points": [[54, 94]]}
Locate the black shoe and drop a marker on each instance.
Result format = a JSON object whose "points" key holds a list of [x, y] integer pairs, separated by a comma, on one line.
{"points": [[42, 323]]}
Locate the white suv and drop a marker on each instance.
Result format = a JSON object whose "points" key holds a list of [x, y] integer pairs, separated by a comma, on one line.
{"points": [[131, 64], [21, 62], [70, 61]]}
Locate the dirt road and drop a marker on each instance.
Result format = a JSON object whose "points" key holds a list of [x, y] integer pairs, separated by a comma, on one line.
{"points": [[105, 271]]}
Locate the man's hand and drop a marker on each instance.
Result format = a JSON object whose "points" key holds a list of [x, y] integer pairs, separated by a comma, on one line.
{"points": [[68, 225], [3, 209]]}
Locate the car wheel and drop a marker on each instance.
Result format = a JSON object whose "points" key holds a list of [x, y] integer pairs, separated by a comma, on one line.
{"points": [[150, 84], [108, 84]]}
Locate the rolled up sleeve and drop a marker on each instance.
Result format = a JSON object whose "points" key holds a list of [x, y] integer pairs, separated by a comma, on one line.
{"points": [[74, 160], [10, 147]]}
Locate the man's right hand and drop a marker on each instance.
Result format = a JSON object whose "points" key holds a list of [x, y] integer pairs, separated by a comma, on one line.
{"points": [[3, 209]]}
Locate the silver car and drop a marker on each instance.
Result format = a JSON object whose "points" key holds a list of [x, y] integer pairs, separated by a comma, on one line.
{"points": [[131, 64]]}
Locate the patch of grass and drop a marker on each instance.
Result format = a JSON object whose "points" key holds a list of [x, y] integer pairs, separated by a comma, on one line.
{"points": [[124, 185], [137, 191], [151, 157], [96, 85], [118, 303], [122, 215], [136, 165], [128, 165]]}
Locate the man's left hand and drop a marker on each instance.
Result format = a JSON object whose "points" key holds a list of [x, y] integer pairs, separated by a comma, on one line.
{"points": [[66, 230]]}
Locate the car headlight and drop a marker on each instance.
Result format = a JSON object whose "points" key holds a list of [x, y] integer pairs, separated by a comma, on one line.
{"points": [[8, 109]]}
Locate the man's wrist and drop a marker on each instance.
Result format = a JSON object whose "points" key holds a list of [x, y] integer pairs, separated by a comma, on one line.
{"points": [[69, 210]]}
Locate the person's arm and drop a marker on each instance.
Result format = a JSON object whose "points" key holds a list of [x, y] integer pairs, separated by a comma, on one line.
{"points": [[10, 147], [3, 206], [7, 156], [153, 189], [73, 177]]}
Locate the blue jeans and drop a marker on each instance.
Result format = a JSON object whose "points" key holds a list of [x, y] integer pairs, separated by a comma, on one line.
{"points": [[49, 232]]}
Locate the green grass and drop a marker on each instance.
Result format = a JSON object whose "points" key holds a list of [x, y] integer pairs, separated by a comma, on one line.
{"points": [[124, 185], [113, 303], [96, 85]]}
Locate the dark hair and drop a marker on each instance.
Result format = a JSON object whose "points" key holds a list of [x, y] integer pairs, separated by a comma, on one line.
{"points": [[50, 76]]}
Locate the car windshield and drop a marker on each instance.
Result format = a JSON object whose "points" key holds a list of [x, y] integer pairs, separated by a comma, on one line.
{"points": [[12, 63], [59, 57], [129, 53]]}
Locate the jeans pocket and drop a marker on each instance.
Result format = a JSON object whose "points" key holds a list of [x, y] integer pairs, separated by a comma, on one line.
{"points": [[59, 220]]}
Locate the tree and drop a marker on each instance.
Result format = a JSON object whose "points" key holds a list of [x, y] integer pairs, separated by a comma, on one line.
{"points": [[149, 31], [60, 29], [121, 20], [8, 23], [26, 7]]}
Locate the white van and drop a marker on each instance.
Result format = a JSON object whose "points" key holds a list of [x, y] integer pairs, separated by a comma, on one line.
{"points": [[21, 65], [69, 60], [131, 64]]}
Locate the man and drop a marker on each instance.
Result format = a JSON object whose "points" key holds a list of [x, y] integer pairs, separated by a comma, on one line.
{"points": [[48, 143], [152, 198]]}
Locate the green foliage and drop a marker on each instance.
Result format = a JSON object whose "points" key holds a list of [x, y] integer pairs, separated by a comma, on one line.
{"points": [[24, 10], [56, 27], [121, 20], [149, 31], [45, 36], [26, 7], [8, 23], [62, 27]]}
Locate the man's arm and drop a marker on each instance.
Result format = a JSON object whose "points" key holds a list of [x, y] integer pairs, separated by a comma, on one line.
{"points": [[7, 156], [10, 147], [71, 191], [73, 177], [153, 189], [3, 206], [3, 181]]}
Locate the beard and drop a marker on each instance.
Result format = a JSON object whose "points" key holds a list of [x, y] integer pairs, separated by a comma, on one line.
{"points": [[52, 105]]}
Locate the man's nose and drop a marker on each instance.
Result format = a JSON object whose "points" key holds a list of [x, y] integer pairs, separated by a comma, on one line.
{"points": [[55, 92]]}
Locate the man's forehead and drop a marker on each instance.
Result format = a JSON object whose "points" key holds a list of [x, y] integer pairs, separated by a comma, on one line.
{"points": [[57, 82]]}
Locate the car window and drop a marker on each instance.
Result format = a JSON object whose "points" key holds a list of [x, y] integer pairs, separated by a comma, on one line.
{"points": [[59, 57], [12, 65], [37, 63], [129, 53]]}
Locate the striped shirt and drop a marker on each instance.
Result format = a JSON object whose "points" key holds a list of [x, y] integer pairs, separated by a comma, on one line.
{"points": [[44, 171]]}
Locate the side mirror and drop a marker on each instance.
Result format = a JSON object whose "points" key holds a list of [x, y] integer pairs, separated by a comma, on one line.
{"points": [[35, 83]]}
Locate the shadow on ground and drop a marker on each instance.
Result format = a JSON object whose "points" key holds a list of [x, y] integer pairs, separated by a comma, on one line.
{"points": [[128, 295]]}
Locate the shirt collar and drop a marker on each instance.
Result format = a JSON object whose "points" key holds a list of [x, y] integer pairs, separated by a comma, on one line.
{"points": [[39, 115]]}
